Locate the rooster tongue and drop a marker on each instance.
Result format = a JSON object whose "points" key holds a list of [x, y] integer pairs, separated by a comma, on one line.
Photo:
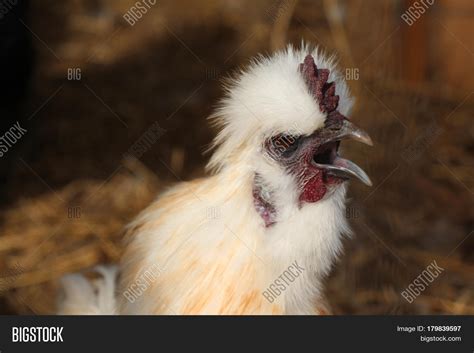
{"points": [[344, 168]]}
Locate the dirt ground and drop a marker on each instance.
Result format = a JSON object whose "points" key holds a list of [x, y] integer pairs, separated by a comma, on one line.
{"points": [[98, 84]]}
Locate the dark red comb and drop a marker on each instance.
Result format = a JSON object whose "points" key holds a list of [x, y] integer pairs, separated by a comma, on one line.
{"points": [[322, 90]]}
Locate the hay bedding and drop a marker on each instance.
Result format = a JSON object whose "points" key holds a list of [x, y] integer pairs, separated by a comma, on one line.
{"points": [[70, 230]]}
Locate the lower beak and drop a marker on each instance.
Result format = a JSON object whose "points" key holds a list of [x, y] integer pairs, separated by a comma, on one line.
{"points": [[344, 168]]}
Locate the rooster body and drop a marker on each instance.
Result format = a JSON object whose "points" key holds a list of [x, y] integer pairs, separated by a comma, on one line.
{"points": [[215, 245]]}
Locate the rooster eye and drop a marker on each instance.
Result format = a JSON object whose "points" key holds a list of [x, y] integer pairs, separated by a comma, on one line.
{"points": [[284, 145]]}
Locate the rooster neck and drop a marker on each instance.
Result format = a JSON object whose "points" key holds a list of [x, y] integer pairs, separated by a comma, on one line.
{"points": [[216, 257]]}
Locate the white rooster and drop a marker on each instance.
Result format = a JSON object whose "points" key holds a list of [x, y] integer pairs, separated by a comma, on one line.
{"points": [[260, 233]]}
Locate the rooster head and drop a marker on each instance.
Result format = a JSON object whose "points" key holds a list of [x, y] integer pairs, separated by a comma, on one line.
{"points": [[282, 123]]}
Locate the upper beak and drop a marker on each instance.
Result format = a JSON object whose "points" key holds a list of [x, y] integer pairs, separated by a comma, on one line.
{"points": [[341, 167], [349, 130]]}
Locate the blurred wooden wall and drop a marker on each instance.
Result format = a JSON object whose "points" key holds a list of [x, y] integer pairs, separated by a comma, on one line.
{"points": [[439, 46]]}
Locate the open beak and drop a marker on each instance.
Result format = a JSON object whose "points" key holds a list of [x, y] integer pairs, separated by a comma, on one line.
{"points": [[328, 159]]}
